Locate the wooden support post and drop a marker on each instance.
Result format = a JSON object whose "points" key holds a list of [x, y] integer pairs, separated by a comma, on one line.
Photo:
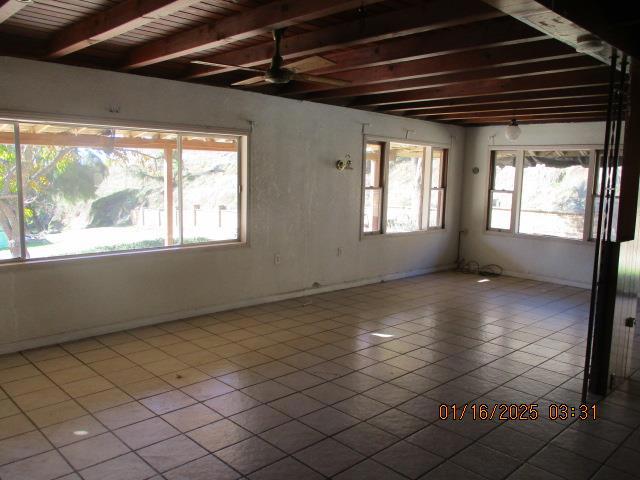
{"points": [[168, 196]]}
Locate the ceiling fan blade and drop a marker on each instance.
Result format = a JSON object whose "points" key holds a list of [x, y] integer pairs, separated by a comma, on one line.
{"points": [[304, 77], [250, 81], [223, 65], [309, 64]]}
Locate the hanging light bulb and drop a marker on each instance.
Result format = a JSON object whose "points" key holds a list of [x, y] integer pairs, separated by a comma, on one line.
{"points": [[512, 132]]}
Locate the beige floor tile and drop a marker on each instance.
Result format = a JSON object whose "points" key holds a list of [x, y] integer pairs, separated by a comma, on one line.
{"points": [[97, 355], [12, 360], [198, 358], [192, 417], [208, 389], [205, 468], [182, 378], [27, 385], [41, 398], [232, 403], [59, 363], [8, 408], [129, 375], [87, 386], [75, 430], [103, 400], [57, 413], [172, 453], [230, 349], [124, 415], [14, 425], [22, 446], [44, 353], [72, 374], [126, 467], [18, 373], [93, 450], [162, 340], [181, 348], [167, 402], [45, 466], [114, 364], [165, 366], [219, 367], [147, 388], [146, 432], [131, 347], [149, 355], [219, 435]]}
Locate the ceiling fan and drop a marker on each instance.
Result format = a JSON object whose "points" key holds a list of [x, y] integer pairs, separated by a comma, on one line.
{"points": [[279, 74]]}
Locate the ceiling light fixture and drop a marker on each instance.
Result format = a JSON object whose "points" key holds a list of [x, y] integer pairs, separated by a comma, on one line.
{"points": [[513, 131]]}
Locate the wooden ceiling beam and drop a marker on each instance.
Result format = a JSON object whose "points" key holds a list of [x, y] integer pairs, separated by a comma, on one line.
{"points": [[531, 83], [109, 23], [9, 8], [547, 49], [439, 80], [256, 21], [542, 112], [513, 106], [499, 99], [585, 117], [474, 36], [431, 16]]}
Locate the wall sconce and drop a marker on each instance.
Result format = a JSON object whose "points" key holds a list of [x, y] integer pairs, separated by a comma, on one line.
{"points": [[345, 164]]}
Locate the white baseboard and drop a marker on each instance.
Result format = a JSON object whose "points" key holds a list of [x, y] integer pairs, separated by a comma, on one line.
{"points": [[143, 322], [543, 278]]}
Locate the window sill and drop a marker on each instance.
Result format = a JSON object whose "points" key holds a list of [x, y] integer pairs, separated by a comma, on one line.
{"points": [[545, 238], [430, 231], [98, 257]]}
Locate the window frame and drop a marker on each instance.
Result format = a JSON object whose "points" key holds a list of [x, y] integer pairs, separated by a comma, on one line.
{"points": [[244, 139], [517, 193], [425, 191]]}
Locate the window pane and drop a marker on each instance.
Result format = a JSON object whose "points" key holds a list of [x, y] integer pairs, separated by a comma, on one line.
{"points": [[373, 165], [435, 202], [372, 204], [96, 189], [436, 168], [9, 222], [210, 188], [500, 214], [404, 187], [554, 190], [504, 170]]}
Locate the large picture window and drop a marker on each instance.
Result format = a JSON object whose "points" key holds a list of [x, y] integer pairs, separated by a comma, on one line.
{"points": [[543, 192], [89, 190], [404, 187]]}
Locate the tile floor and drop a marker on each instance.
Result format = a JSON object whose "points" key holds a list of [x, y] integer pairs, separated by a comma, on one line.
{"points": [[344, 385]]}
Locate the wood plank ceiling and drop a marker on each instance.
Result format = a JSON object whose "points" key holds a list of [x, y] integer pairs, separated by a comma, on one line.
{"points": [[455, 61]]}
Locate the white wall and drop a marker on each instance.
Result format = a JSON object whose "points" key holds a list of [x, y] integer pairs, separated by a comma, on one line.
{"points": [[300, 207], [561, 261]]}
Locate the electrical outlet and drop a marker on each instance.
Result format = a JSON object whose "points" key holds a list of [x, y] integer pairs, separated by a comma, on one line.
{"points": [[339, 251], [277, 259]]}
